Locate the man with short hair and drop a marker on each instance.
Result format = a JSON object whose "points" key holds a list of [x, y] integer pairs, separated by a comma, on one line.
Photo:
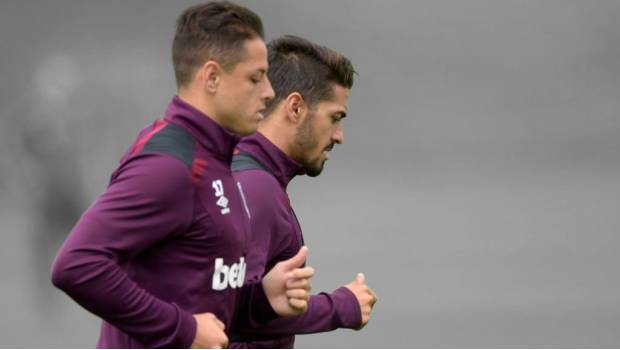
{"points": [[161, 254], [302, 124]]}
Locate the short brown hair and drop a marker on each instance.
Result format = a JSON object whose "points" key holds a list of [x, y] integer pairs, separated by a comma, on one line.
{"points": [[213, 31], [299, 65]]}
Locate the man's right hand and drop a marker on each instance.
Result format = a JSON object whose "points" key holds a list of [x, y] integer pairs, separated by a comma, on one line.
{"points": [[287, 285], [209, 332], [365, 296]]}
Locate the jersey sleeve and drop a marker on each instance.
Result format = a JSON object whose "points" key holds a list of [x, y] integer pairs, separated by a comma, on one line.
{"points": [[326, 312], [148, 200], [273, 241]]}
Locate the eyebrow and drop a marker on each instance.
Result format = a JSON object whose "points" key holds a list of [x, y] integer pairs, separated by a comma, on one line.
{"points": [[262, 72]]}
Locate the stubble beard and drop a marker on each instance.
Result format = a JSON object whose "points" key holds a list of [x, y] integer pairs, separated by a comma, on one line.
{"points": [[306, 141]]}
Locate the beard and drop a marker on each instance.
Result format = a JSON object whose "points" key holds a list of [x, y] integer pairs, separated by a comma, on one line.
{"points": [[315, 170], [306, 141]]}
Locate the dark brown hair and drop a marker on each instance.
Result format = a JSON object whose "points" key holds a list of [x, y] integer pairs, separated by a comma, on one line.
{"points": [[213, 31], [299, 65]]}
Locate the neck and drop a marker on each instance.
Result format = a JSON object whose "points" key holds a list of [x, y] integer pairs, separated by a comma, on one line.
{"points": [[199, 102], [279, 133]]}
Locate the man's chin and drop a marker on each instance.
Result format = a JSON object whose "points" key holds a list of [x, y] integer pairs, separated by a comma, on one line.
{"points": [[246, 131], [315, 171]]}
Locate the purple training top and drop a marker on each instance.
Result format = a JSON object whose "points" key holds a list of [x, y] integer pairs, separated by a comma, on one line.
{"points": [[167, 239], [276, 236]]}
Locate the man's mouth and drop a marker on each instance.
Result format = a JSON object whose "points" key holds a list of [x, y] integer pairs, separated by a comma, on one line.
{"points": [[328, 149], [260, 114]]}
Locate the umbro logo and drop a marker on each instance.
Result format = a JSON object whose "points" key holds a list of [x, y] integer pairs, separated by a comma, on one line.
{"points": [[222, 201]]}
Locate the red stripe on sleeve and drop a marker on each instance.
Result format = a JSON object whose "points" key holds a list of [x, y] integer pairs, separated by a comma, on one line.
{"points": [[159, 124], [198, 169]]}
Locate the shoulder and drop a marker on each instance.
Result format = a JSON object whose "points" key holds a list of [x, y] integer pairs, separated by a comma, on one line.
{"points": [[171, 140], [161, 160], [153, 176]]}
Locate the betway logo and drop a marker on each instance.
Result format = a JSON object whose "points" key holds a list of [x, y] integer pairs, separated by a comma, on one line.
{"points": [[225, 276]]}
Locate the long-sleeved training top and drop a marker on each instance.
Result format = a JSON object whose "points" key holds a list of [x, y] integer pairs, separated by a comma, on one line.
{"points": [[277, 236], [167, 239]]}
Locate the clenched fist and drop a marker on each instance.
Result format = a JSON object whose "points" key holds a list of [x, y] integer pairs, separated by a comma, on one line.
{"points": [[209, 332], [287, 285], [365, 296]]}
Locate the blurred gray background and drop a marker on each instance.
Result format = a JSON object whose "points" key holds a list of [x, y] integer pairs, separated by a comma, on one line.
{"points": [[478, 186]]}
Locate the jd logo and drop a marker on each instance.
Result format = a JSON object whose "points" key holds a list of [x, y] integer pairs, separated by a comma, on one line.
{"points": [[222, 201], [228, 276]]}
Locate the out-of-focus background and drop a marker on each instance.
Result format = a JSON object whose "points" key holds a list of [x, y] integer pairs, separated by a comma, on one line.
{"points": [[478, 186]]}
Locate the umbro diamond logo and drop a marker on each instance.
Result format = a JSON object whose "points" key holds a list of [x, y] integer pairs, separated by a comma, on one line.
{"points": [[222, 201]]}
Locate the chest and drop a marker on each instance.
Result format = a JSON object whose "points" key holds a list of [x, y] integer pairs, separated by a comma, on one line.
{"points": [[286, 235], [220, 226]]}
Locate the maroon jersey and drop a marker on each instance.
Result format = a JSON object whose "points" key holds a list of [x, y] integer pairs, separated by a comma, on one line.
{"points": [[166, 240], [277, 236]]}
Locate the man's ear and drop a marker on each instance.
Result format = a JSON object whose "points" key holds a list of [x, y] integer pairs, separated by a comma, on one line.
{"points": [[295, 107], [209, 75]]}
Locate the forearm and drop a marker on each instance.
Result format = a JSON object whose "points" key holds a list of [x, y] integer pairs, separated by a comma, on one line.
{"points": [[92, 277], [326, 312]]}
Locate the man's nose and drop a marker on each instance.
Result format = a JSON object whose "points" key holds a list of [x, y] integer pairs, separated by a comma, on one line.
{"points": [[338, 136], [268, 94]]}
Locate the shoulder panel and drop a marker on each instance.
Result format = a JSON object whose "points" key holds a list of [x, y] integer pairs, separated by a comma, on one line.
{"points": [[175, 141]]}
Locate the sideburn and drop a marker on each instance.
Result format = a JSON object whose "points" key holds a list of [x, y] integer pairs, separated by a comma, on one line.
{"points": [[306, 141], [305, 137]]}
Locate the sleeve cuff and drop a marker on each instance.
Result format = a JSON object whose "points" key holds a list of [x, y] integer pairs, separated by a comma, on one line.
{"points": [[261, 308], [349, 310], [186, 329]]}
